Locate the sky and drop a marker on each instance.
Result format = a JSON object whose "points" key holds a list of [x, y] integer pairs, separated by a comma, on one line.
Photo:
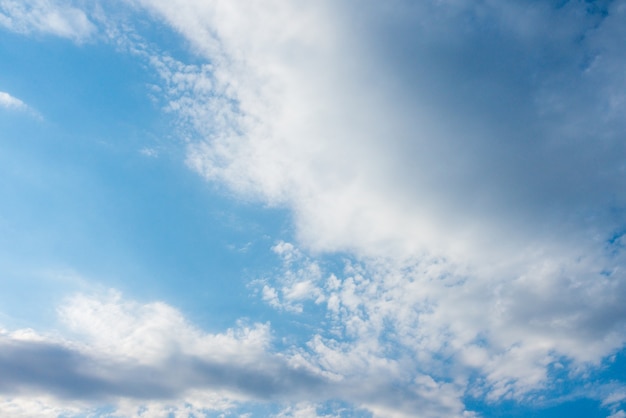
{"points": [[312, 209]]}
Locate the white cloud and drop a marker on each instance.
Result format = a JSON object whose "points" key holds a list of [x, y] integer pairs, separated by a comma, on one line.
{"points": [[56, 17], [302, 410], [614, 399], [396, 322], [149, 152], [9, 102], [40, 406], [470, 153], [138, 356], [147, 359], [297, 283], [400, 154], [474, 170]]}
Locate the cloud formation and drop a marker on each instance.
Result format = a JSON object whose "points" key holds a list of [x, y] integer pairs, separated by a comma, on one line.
{"points": [[135, 357], [125, 352], [466, 159], [471, 155], [458, 145], [9, 102]]}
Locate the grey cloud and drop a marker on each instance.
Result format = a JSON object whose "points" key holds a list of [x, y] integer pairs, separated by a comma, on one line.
{"points": [[32, 368], [69, 374], [44, 367], [516, 130]]}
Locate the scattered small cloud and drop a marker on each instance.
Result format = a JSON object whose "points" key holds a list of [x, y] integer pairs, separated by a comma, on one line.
{"points": [[149, 152]]}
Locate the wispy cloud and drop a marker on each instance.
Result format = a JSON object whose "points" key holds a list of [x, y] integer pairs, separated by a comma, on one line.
{"points": [[13, 103], [9, 102], [53, 17]]}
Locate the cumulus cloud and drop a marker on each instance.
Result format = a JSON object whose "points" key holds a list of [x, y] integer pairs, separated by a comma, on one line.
{"points": [[53, 17]]}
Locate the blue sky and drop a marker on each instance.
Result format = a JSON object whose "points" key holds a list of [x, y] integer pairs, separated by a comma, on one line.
{"points": [[312, 209]]}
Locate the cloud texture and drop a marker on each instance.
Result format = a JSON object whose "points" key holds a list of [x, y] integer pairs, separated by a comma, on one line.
{"points": [[465, 158]]}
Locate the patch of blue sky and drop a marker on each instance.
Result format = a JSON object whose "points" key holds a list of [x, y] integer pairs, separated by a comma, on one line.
{"points": [[571, 392], [98, 189]]}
